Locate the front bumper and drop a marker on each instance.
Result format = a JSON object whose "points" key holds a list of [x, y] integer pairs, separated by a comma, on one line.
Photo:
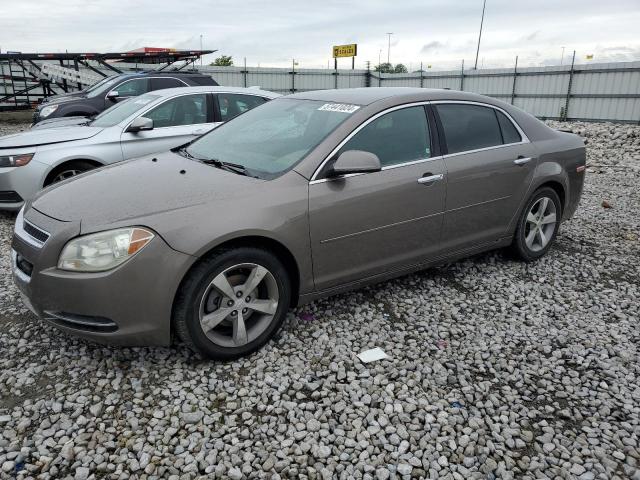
{"points": [[129, 305], [18, 184]]}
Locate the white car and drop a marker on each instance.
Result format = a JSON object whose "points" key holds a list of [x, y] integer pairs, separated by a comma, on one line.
{"points": [[154, 122]]}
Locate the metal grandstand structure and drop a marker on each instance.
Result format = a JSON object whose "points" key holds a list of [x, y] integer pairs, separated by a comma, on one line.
{"points": [[28, 78]]}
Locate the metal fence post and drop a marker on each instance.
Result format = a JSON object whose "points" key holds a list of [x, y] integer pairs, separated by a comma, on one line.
{"points": [[515, 74], [244, 73], [421, 77], [462, 77], [566, 102], [367, 75]]}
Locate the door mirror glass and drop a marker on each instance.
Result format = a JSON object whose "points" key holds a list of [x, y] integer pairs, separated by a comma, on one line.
{"points": [[356, 161], [140, 124], [113, 95]]}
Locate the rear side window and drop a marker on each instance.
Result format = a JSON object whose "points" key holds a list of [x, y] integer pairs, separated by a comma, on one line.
{"points": [[509, 132], [469, 127], [231, 105], [397, 137], [160, 83]]}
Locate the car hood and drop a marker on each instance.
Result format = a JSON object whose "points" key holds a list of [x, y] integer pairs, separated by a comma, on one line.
{"points": [[46, 136], [60, 122], [67, 97], [130, 192]]}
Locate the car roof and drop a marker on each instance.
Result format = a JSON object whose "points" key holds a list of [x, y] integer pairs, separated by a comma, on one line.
{"points": [[369, 95], [163, 73], [169, 92]]}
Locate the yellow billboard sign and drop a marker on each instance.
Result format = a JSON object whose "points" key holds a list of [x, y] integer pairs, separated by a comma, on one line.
{"points": [[345, 50]]}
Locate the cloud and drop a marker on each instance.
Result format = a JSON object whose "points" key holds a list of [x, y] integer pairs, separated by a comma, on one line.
{"points": [[432, 46]]}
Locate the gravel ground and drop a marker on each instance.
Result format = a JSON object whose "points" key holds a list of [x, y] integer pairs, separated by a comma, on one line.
{"points": [[497, 369]]}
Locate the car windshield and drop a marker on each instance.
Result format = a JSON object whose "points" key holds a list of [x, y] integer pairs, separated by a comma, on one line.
{"points": [[122, 110], [97, 89], [97, 85], [272, 138]]}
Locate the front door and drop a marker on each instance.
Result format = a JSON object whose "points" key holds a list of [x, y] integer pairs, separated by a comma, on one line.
{"points": [[176, 121], [367, 224], [489, 166]]}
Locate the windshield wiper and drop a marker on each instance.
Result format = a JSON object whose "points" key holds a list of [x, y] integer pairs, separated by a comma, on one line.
{"points": [[230, 167]]}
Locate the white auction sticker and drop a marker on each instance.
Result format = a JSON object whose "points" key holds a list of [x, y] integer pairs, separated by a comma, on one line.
{"points": [[339, 107]]}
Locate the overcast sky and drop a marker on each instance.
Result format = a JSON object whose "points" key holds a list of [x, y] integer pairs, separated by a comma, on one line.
{"points": [[271, 33]]}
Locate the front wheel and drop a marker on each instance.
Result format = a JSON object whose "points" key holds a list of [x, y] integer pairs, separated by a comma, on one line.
{"points": [[232, 303], [68, 170], [538, 225]]}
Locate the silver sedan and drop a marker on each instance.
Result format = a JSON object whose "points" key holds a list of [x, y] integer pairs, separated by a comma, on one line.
{"points": [[151, 123]]}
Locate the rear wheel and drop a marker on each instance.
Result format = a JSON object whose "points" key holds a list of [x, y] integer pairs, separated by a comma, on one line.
{"points": [[538, 225], [232, 303], [68, 170]]}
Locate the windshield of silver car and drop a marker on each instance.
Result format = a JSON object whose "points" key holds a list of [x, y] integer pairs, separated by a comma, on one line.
{"points": [[122, 110], [272, 138]]}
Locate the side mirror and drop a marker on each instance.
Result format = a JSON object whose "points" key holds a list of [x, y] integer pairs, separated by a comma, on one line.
{"points": [[113, 95], [355, 161], [140, 124]]}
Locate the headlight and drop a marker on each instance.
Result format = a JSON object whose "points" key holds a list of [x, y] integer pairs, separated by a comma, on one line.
{"points": [[46, 111], [19, 160], [103, 251]]}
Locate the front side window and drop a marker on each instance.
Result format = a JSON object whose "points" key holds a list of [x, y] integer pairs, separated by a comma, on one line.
{"points": [[272, 139], [469, 127], [183, 110], [122, 110], [132, 88], [102, 87], [397, 137], [232, 105]]}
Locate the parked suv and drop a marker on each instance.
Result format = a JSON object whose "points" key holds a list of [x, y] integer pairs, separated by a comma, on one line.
{"points": [[111, 90]]}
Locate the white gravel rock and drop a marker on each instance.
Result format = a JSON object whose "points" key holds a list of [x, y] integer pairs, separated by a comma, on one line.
{"points": [[496, 369]]}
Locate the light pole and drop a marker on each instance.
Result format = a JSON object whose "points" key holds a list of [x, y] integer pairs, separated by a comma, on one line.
{"points": [[379, 56], [480, 35], [200, 49], [389, 47], [562, 56]]}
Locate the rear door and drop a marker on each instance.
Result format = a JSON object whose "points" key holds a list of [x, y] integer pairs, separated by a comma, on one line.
{"points": [[490, 165], [176, 121], [368, 224]]}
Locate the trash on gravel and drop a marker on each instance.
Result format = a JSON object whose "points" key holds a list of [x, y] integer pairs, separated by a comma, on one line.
{"points": [[306, 317], [372, 355], [441, 344], [606, 204], [456, 405]]}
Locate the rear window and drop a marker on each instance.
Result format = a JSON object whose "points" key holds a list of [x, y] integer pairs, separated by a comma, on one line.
{"points": [[469, 127], [203, 80]]}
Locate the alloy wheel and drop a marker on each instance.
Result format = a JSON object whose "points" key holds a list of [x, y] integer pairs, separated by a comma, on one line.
{"points": [[239, 304], [540, 224], [66, 174]]}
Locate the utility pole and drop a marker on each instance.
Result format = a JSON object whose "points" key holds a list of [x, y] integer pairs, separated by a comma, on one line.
{"points": [[389, 47], [200, 49], [480, 35], [562, 56]]}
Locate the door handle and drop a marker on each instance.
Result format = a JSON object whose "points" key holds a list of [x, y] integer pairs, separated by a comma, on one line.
{"points": [[429, 179], [522, 160]]}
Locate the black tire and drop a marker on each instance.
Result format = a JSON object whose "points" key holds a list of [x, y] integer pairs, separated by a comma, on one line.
{"points": [[519, 246], [186, 320], [79, 166]]}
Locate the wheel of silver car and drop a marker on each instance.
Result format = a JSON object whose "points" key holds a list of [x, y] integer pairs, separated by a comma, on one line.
{"points": [[538, 224], [68, 170], [232, 303]]}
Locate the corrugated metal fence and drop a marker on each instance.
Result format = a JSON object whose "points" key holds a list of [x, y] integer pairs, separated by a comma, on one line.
{"points": [[604, 92]]}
